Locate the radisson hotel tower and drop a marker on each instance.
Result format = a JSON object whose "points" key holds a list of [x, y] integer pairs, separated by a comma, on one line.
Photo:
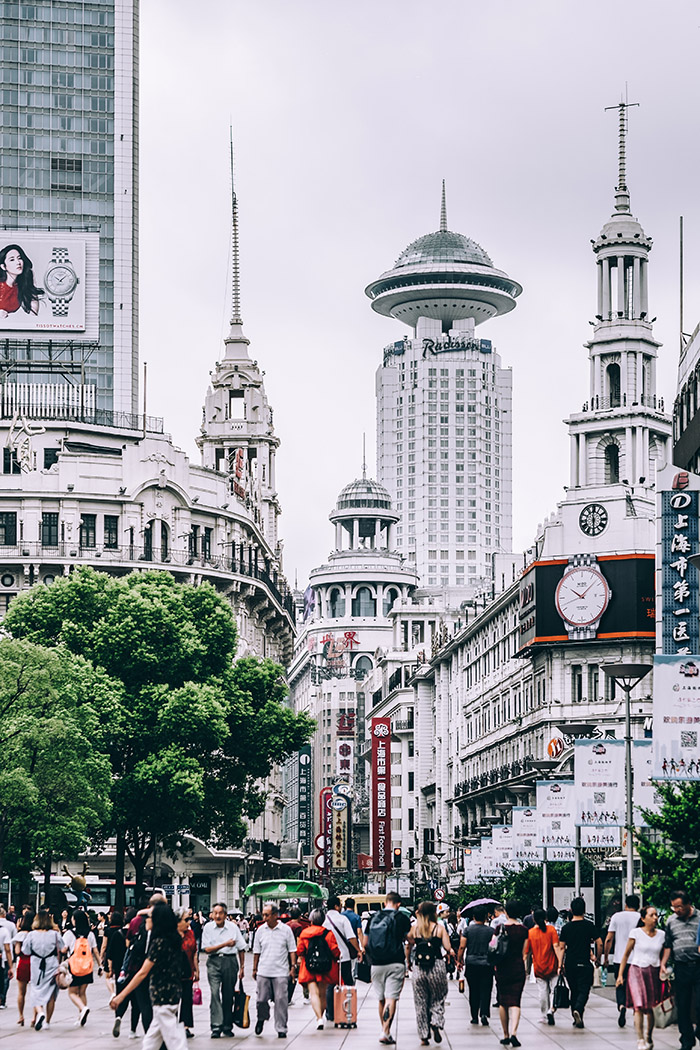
{"points": [[444, 420]]}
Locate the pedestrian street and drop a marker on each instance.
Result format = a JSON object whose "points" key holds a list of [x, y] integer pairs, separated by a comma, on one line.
{"points": [[601, 1029]]}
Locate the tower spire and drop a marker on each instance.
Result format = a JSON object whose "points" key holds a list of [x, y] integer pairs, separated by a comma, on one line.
{"points": [[443, 210], [622, 196], [235, 259], [364, 456]]}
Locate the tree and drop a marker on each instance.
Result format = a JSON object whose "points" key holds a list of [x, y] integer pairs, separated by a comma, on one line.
{"points": [[669, 850], [54, 776]]}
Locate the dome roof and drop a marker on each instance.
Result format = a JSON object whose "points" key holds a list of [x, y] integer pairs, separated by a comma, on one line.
{"points": [[443, 248], [364, 492]]}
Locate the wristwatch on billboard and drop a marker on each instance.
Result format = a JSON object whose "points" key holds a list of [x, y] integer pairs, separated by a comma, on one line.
{"points": [[582, 596], [60, 281]]}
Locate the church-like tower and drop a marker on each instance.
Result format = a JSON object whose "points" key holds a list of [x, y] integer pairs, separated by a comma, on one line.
{"points": [[237, 434]]}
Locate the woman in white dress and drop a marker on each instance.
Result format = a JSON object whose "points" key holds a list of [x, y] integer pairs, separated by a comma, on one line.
{"points": [[644, 949], [44, 945]]}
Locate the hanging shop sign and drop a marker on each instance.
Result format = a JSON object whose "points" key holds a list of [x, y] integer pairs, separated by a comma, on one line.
{"points": [[304, 798], [340, 827], [381, 794], [556, 806], [599, 772], [503, 844], [345, 758], [526, 843], [676, 710], [678, 580]]}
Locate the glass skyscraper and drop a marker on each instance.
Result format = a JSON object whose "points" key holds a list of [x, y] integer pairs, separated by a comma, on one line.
{"points": [[69, 166]]}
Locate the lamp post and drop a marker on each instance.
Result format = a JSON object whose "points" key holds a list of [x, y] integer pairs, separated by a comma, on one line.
{"points": [[628, 676]]}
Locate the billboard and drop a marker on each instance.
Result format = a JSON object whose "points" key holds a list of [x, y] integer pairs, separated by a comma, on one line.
{"points": [[49, 284], [304, 798], [340, 833], [644, 795], [678, 579], [525, 834], [676, 718], [381, 794], [556, 803], [599, 769]]}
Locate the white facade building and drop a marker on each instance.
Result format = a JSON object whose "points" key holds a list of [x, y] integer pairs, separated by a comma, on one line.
{"points": [[444, 411]]}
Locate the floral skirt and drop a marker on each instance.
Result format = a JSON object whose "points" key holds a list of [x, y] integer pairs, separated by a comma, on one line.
{"points": [[643, 987]]}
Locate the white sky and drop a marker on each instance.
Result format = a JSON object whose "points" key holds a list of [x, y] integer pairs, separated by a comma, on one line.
{"points": [[346, 118]]}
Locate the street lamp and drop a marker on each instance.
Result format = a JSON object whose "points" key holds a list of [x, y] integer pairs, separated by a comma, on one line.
{"points": [[628, 676]]}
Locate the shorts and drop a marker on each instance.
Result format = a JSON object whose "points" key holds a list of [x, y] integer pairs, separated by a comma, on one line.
{"points": [[387, 980]]}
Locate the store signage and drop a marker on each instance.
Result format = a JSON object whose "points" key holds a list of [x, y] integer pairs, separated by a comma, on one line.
{"points": [[325, 799], [345, 758], [304, 798], [433, 346], [381, 794], [556, 805], [676, 710], [340, 834], [680, 622], [599, 772]]}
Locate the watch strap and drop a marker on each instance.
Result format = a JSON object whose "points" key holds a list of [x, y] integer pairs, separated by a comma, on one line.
{"points": [[576, 633], [60, 305]]}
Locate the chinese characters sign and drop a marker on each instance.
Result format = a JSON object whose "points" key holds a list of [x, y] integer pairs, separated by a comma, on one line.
{"points": [[556, 805], [676, 718], [345, 759], [304, 798], [526, 843], [339, 833], [381, 793], [599, 769], [680, 625]]}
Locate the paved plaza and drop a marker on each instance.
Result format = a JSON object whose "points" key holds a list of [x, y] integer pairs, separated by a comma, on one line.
{"points": [[601, 1026]]}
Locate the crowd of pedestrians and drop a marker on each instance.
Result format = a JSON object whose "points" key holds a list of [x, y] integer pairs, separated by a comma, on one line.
{"points": [[150, 960]]}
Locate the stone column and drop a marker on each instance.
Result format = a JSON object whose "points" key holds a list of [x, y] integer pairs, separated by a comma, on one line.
{"points": [[338, 536], [636, 290], [574, 461], [605, 268], [377, 533], [621, 285], [582, 464], [355, 533]]}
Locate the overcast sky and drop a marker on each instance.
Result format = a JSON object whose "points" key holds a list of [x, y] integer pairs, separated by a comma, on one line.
{"points": [[346, 117]]}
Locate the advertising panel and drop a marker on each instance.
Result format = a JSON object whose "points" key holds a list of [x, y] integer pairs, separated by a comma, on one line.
{"points": [[503, 844], [381, 794], [49, 283], [472, 865], [644, 793], [599, 772], [304, 798], [325, 798], [525, 843], [600, 838], [680, 622], [556, 805], [490, 868], [340, 810], [676, 709]]}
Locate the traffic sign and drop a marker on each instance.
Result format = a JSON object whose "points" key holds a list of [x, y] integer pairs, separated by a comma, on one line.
{"points": [[320, 842], [439, 894], [184, 888], [320, 861]]}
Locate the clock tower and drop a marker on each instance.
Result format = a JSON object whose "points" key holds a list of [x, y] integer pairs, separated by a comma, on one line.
{"points": [[621, 432]]}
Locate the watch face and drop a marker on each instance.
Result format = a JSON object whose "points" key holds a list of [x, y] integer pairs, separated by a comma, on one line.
{"points": [[582, 596], [60, 280], [593, 519]]}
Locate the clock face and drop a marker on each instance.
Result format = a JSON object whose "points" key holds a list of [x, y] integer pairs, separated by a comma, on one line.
{"points": [[593, 519], [60, 280], [582, 596]]}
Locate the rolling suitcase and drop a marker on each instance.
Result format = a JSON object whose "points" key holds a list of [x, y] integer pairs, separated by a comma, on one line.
{"points": [[345, 1006]]}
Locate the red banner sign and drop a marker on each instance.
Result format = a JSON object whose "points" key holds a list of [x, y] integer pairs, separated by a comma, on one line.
{"points": [[381, 794]]}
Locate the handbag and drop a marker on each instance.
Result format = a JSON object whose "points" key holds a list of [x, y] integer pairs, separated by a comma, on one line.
{"points": [[665, 1012], [63, 977], [241, 1016], [561, 999], [196, 995], [364, 972]]}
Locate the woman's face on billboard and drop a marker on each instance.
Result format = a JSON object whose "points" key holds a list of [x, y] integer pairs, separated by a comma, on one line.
{"points": [[14, 263]]}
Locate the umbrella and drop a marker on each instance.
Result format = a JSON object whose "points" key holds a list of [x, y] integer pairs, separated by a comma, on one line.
{"points": [[477, 903]]}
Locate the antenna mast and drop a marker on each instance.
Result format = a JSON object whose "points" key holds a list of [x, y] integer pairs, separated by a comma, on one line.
{"points": [[443, 210], [235, 260], [622, 197]]}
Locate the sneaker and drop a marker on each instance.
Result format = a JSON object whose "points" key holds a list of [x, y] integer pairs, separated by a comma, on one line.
{"points": [[578, 1020], [40, 1021], [543, 1020], [84, 1015], [437, 1034], [47, 1026], [641, 1044], [259, 1025], [484, 1020], [319, 1026], [116, 1026], [133, 1035], [514, 1041], [216, 1035], [281, 1035]]}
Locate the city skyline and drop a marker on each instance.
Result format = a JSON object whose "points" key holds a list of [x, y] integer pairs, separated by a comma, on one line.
{"points": [[329, 198]]}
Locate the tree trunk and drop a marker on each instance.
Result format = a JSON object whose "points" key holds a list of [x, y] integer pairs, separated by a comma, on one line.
{"points": [[47, 878], [119, 893], [26, 874]]}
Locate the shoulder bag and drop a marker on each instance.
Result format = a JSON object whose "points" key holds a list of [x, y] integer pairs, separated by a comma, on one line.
{"points": [[350, 947]]}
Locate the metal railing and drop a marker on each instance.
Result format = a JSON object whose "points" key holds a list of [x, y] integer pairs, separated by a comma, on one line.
{"points": [[101, 417], [603, 404]]}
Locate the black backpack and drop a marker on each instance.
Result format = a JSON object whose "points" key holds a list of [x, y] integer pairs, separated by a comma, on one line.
{"points": [[426, 954], [384, 944], [500, 950], [319, 958]]}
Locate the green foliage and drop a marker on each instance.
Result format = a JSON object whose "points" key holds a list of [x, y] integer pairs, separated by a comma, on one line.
{"points": [[669, 850]]}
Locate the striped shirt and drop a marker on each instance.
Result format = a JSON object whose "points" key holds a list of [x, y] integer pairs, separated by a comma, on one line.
{"points": [[682, 935]]}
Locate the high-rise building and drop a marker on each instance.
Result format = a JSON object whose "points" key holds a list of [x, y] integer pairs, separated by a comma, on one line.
{"points": [[69, 204], [444, 418]]}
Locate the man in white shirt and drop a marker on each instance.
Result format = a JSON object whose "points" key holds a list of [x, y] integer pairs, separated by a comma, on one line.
{"points": [[224, 945], [274, 960], [618, 934], [345, 937], [6, 973]]}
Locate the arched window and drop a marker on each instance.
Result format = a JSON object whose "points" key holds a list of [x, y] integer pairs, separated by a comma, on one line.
{"points": [[148, 542], [612, 464], [390, 596], [336, 603], [164, 542], [612, 373], [362, 667], [363, 604]]}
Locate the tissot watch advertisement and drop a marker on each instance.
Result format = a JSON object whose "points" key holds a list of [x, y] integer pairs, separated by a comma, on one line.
{"points": [[49, 282]]}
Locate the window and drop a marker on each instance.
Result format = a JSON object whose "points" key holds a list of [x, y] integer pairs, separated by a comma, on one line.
{"points": [[390, 596], [612, 375], [194, 541], [411, 781], [612, 464], [236, 404], [111, 531], [336, 603], [66, 172], [206, 543], [593, 682], [8, 529], [411, 819], [50, 457], [576, 683], [88, 530], [49, 529], [362, 667], [10, 463], [363, 604]]}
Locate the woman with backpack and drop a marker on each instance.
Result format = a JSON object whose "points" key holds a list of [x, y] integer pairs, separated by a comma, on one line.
{"points": [[82, 951], [509, 952], [317, 957], [432, 947], [543, 943]]}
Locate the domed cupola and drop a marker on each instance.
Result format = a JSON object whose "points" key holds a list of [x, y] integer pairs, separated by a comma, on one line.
{"points": [[444, 276], [363, 516]]}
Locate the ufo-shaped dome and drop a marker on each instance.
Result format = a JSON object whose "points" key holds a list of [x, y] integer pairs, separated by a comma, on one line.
{"points": [[364, 492], [443, 248]]}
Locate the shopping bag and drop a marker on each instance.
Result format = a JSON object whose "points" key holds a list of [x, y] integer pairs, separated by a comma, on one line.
{"points": [[562, 996], [364, 972], [241, 1016], [665, 1012], [63, 976], [345, 1006], [597, 983], [196, 995]]}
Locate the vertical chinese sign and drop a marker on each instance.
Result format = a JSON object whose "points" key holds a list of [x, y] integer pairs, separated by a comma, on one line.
{"points": [[340, 833], [304, 799], [680, 623], [381, 794]]}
